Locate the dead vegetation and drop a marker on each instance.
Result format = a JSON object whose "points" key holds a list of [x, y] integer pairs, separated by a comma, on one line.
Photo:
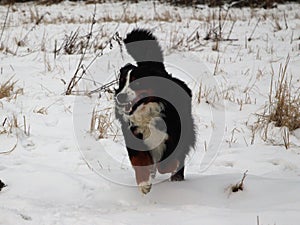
{"points": [[284, 101], [240, 185], [8, 124], [77, 43], [72, 44], [285, 105], [11, 123], [84, 46], [9, 90], [6, 128], [102, 124], [283, 108], [219, 24], [224, 92], [185, 3]]}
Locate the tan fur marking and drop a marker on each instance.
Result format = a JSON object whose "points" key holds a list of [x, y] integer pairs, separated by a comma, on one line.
{"points": [[145, 118]]}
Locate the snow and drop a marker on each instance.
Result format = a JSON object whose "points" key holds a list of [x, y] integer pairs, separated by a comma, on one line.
{"points": [[59, 173]]}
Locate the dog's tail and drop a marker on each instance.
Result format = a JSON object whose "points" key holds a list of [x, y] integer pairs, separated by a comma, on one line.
{"points": [[143, 47]]}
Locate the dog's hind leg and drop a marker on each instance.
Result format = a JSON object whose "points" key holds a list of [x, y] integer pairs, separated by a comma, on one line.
{"points": [[174, 165], [178, 176]]}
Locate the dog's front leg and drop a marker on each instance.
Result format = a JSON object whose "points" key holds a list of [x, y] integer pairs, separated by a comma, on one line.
{"points": [[142, 163]]}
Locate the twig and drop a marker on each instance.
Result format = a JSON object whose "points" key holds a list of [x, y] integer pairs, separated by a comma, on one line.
{"points": [[190, 36], [286, 138], [25, 128], [5, 21], [239, 186], [11, 150], [4, 121], [216, 66], [222, 23], [285, 22], [55, 49], [250, 38], [104, 87], [229, 39], [231, 28], [74, 81], [92, 80]]}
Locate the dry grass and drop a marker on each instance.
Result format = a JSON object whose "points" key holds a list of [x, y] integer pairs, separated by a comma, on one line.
{"points": [[282, 109], [72, 44], [102, 124], [128, 15], [212, 3], [77, 43], [8, 89], [12, 123], [9, 124], [42, 110], [223, 92]]}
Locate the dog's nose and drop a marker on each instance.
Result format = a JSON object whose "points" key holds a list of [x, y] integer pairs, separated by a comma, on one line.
{"points": [[122, 98]]}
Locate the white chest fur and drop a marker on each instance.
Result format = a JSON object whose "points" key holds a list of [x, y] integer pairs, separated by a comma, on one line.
{"points": [[146, 118]]}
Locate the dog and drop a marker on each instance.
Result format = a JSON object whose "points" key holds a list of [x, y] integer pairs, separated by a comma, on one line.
{"points": [[154, 109]]}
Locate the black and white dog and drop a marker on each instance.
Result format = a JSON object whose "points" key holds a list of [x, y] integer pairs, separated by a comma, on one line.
{"points": [[154, 109]]}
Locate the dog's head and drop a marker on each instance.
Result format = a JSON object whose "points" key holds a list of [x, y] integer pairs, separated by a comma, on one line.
{"points": [[132, 88]]}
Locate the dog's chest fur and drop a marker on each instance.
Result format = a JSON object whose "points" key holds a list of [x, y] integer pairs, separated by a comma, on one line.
{"points": [[147, 120]]}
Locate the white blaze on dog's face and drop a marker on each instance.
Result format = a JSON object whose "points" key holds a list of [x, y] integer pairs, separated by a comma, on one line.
{"points": [[126, 95]]}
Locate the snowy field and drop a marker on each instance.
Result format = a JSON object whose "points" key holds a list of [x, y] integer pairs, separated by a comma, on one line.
{"points": [[59, 170]]}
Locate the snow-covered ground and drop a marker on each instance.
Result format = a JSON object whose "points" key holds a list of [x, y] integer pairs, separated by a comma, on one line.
{"points": [[60, 173]]}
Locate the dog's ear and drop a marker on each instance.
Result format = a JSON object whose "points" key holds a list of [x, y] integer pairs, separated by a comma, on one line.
{"points": [[124, 70], [122, 76]]}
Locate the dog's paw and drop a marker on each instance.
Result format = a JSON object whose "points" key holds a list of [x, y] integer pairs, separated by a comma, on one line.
{"points": [[177, 177], [145, 187]]}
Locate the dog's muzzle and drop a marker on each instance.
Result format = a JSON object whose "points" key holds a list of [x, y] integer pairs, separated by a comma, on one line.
{"points": [[122, 98], [122, 101]]}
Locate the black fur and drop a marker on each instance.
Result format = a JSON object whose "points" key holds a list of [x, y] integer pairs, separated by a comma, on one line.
{"points": [[144, 48], [2, 185]]}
